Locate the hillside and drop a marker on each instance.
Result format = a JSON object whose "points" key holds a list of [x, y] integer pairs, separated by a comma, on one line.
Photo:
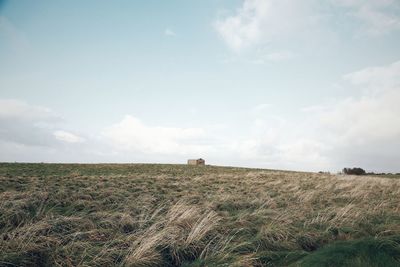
{"points": [[178, 215]]}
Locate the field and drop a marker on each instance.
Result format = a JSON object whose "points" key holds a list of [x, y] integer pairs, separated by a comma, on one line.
{"points": [[177, 215]]}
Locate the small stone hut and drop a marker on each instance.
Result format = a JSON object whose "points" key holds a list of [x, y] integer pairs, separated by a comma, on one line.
{"points": [[196, 162]]}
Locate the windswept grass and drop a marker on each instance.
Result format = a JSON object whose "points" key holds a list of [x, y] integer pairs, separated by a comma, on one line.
{"points": [[177, 215]]}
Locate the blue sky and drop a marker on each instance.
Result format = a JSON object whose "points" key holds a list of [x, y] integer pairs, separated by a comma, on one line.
{"points": [[305, 85]]}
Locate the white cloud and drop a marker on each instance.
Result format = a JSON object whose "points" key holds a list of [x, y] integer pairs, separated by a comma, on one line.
{"points": [[20, 110], [303, 153], [366, 130], [379, 16], [274, 142], [26, 124], [170, 33], [260, 109], [31, 125], [34, 133], [68, 137], [260, 23], [359, 131], [375, 115], [131, 134], [377, 78], [363, 131]]}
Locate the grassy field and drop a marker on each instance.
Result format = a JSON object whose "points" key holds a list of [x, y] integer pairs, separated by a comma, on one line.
{"points": [[177, 215]]}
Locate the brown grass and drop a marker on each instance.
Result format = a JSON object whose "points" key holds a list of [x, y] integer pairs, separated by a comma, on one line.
{"points": [[172, 215]]}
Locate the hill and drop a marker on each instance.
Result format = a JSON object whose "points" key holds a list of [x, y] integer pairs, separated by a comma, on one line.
{"points": [[178, 215]]}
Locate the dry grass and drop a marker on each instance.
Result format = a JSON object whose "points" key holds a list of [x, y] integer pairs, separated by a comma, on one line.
{"points": [[173, 215]]}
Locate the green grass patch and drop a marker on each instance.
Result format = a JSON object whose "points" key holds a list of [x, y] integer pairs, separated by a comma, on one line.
{"points": [[366, 252]]}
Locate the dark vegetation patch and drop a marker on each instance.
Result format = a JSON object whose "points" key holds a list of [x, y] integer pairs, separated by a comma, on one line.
{"points": [[383, 252]]}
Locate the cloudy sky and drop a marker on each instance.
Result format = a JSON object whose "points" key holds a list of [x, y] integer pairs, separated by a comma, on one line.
{"points": [[284, 84]]}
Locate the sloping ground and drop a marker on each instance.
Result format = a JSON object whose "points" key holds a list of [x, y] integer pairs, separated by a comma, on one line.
{"points": [[177, 215]]}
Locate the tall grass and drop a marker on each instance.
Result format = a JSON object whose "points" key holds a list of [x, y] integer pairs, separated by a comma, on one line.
{"points": [[175, 215]]}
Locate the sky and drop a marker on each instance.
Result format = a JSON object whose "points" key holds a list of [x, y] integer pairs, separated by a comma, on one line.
{"points": [[284, 84]]}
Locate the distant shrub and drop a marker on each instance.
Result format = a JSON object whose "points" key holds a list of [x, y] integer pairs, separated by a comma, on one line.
{"points": [[354, 171]]}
